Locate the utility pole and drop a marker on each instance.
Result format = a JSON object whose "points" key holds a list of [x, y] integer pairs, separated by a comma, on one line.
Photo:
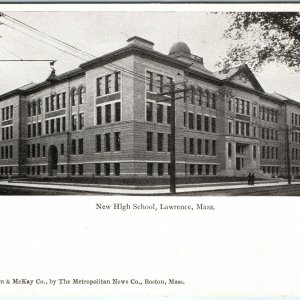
{"points": [[172, 93]]}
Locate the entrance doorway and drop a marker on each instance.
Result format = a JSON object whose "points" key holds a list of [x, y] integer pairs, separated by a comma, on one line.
{"points": [[52, 161]]}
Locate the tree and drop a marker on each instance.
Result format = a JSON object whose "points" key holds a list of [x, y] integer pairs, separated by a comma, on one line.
{"points": [[258, 38]]}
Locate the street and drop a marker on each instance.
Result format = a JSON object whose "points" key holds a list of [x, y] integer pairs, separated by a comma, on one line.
{"points": [[282, 190], [274, 190]]}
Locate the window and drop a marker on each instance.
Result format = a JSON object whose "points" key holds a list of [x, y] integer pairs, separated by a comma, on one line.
{"points": [[149, 78], [73, 169], [80, 146], [12, 111], [169, 114], [254, 131], [199, 146], [199, 169], [213, 101], [213, 124], [117, 169], [199, 127], [73, 147], [117, 81], [254, 111], [206, 99], [107, 169], [99, 115], [99, 86], [160, 169], [58, 124], [107, 142], [118, 112], [191, 121], [62, 169], [58, 101], [160, 113], [237, 105], [149, 141], [81, 95], [38, 150], [149, 111], [47, 104], [150, 169], [184, 145], [73, 97], [207, 167], [52, 102], [247, 129], [214, 170], [237, 127], [28, 131], [34, 130], [62, 149], [33, 150], [98, 143], [206, 147], [213, 148], [206, 123], [52, 126], [44, 151], [80, 169], [39, 128], [74, 122], [230, 105], [229, 149], [108, 84], [160, 83], [11, 131], [98, 169], [81, 121], [108, 113], [184, 119], [10, 152], [191, 146], [229, 127], [34, 108], [117, 141], [63, 100], [192, 169], [160, 142]]}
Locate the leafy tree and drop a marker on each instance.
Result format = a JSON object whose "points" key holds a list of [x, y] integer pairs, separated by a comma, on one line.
{"points": [[258, 38]]}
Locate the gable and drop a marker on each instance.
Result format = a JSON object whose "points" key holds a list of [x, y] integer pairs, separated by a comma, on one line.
{"points": [[243, 80], [246, 78]]}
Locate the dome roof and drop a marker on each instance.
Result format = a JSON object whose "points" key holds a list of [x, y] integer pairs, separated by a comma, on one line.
{"points": [[180, 47]]}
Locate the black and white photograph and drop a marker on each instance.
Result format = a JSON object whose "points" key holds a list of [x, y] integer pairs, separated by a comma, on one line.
{"points": [[126, 130], [154, 103]]}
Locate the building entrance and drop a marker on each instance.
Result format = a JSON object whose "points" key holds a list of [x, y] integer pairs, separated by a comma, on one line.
{"points": [[52, 161], [241, 151]]}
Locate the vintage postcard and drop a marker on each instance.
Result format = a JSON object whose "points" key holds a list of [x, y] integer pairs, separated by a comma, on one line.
{"points": [[117, 123]]}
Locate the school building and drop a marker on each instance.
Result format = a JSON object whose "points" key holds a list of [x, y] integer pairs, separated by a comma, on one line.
{"points": [[106, 118]]}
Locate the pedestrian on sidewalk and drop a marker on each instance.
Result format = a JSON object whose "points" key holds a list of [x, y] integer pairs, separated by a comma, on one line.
{"points": [[249, 179], [252, 179]]}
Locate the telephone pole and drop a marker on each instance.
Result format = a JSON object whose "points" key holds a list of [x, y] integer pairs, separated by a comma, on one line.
{"points": [[172, 93]]}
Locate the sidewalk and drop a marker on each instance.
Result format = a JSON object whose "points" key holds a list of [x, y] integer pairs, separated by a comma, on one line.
{"points": [[145, 190]]}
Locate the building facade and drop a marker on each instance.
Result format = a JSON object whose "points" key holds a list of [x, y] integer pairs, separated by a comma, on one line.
{"points": [[108, 118]]}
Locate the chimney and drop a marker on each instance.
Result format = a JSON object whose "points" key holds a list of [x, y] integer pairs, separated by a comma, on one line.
{"points": [[135, 40]]}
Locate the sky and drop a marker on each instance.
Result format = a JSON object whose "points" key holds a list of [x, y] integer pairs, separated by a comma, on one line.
{"points": [[99, 32]]}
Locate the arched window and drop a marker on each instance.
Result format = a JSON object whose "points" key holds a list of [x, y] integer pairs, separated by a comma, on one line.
{"points": [[200, 93], [39, 106], [73, 97], [192, 94], [81, 95], [213, 101], [206, 98]]}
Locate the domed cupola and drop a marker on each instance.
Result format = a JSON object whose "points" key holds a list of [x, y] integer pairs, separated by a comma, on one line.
{"points": [[180, 48]]}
